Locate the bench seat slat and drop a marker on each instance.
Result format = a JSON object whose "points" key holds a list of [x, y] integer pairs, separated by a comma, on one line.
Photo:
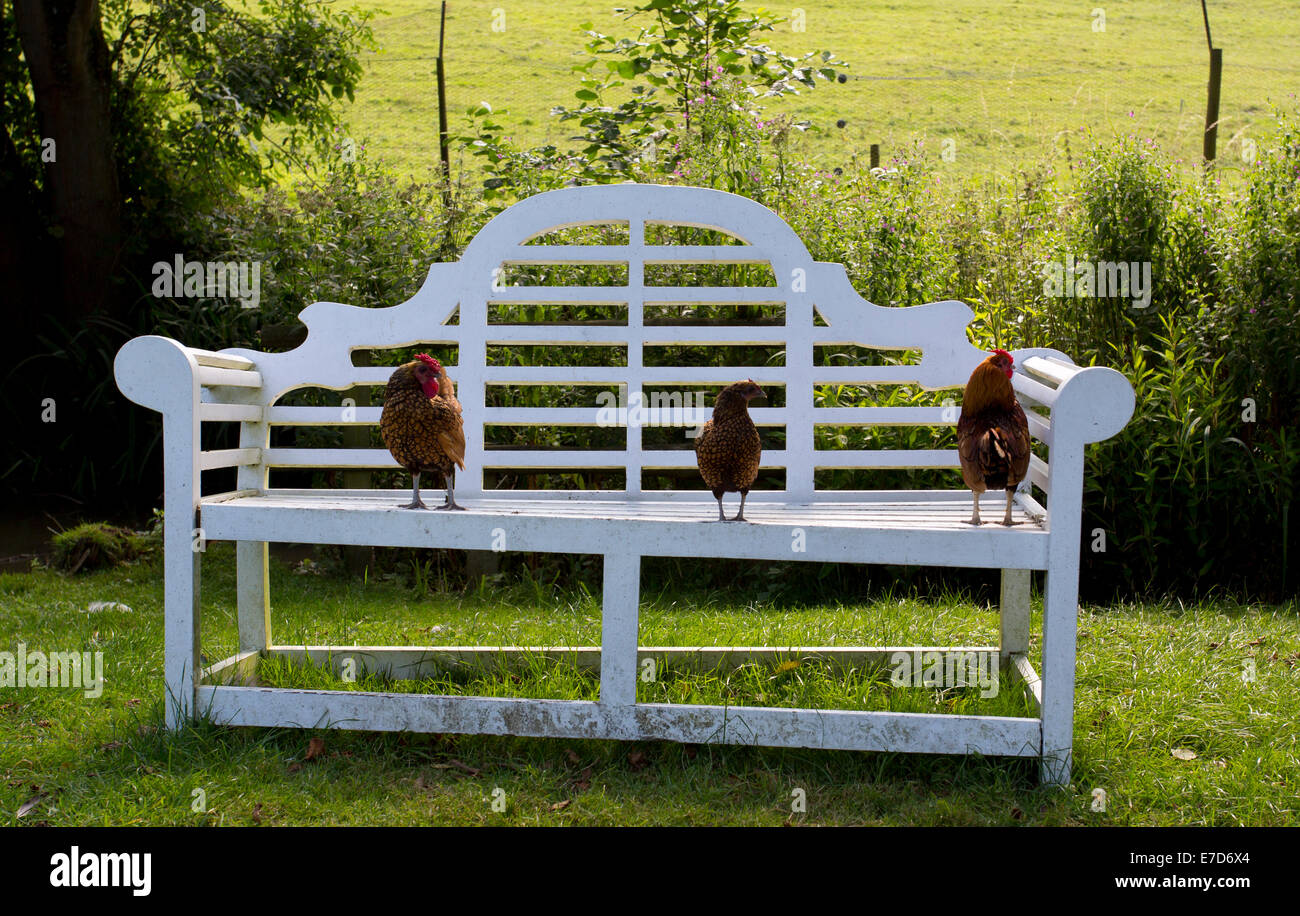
{"points": [[926, 533]]}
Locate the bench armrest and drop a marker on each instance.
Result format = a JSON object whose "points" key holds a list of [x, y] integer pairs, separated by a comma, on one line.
{"points": [[1089, 403], [164, 375], [158, 373]]}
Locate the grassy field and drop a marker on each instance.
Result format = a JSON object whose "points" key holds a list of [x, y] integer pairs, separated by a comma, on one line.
{"points": [[1001, 80], [1153, 679]]}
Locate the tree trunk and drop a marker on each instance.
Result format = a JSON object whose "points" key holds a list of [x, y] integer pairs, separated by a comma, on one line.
{"points": [[63, 42], [24, 271]]}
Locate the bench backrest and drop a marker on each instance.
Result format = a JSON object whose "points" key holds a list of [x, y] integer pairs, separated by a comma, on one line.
{"points": [[458, 302]]}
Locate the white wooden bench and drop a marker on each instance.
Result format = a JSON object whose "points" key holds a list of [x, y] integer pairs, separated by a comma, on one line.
{"points": [[923, 527]]}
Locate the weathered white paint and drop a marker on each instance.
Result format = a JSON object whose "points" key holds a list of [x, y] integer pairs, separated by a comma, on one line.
{"points": [[1014, 608], [1029, 679], [191, 386], [618, 628], [253, 601], [827, 729], [163, 375], [240, 669]]}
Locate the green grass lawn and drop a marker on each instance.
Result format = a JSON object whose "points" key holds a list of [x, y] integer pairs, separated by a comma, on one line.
{"points": [[1001, 80], [1152, 679]]}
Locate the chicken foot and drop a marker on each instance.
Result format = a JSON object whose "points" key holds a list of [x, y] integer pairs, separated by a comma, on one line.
{"points": [[416, 502]]}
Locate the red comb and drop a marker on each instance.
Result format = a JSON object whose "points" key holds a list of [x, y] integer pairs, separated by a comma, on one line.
{"points": [[1006, 354], [429, 361]]}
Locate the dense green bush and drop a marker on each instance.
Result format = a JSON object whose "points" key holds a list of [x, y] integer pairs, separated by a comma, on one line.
{"points": [[359, 235]]}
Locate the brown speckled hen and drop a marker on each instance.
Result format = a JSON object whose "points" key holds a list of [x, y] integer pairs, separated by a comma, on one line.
{"points": [[422, 426], [992, 432], [728, 448]]}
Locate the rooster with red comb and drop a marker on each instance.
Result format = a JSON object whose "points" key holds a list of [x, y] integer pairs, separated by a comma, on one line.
{"points": [[992, 432], [422, 427]]}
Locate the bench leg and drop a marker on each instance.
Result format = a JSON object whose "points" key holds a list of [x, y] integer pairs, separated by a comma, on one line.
{"points": [[1060, 621], [619, 620], [181, 621], [1014, 615], [254, 600]]}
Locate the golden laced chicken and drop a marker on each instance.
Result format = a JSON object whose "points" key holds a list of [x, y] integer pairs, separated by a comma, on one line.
{"points": [[992, 432], [728, 448], [422, 427]]}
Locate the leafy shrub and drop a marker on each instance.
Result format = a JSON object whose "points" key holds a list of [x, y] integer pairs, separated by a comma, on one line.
{"points": [[1257, 329], [360, 236], [1197, 489], [94, 545]]}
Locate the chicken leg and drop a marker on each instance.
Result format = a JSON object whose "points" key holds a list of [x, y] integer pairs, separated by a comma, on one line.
{"points": [[975, 516], [451, 493], [1006, 519], [740, 515], [416, 502]]}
